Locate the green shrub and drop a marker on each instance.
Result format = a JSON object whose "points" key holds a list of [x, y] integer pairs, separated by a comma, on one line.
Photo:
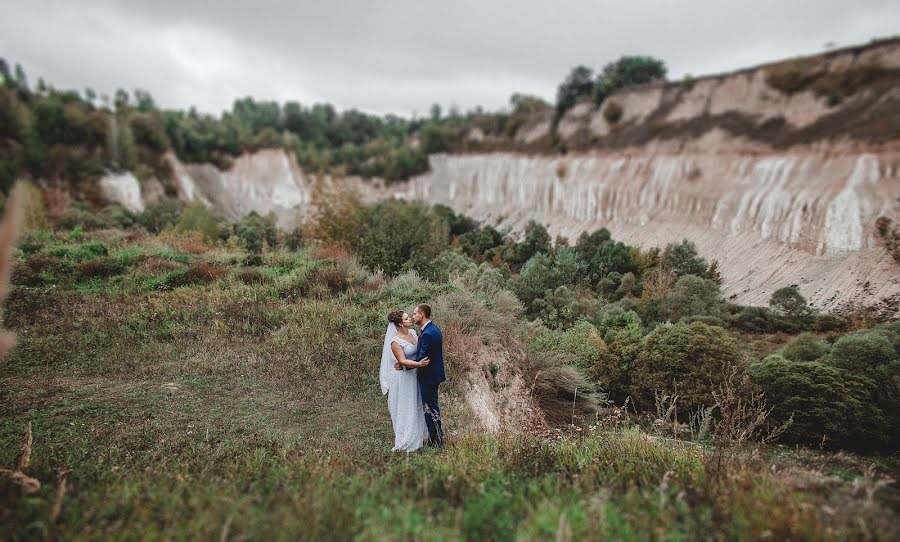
{"points": [[174, 257], [862, 353], [563, 306], [197, 217], [828, 405], [579, 345], [161, 215], [872, 355], [118, 216], [614, 317], [452, 262], [806, 347], [614, 367], [484, 278], [692, 296], [794, 75], [689, 360], [254, 230], [400, 236]]}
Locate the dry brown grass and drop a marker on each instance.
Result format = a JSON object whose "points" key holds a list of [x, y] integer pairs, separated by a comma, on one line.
{"points": [[157, 264], [203, 272], [196, 247], [331, 252], [102, 267], [253, 275]]}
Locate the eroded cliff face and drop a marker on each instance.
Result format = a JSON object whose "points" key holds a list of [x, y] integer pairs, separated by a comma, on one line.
{"points": [[781, 188], [804, 217]]}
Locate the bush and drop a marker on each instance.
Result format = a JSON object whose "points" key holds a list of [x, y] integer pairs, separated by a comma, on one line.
{"points": [[256, 231], [828, 405], [561, 307], [862, 353], [197, 217], [626, 71], [614, 318], [689, 360], [692, 296], [580, 345], [37, 270], [161, 215], [399, 236], [452, 262], [793, 76], [615, 365], [484, 278], [806, 347], [612, 112]]}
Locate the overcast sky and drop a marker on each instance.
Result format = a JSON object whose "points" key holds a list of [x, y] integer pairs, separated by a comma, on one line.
{"points": [[401, 56]]}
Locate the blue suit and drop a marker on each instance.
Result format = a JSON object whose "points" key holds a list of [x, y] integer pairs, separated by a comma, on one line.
{"points": [[431, 346]]}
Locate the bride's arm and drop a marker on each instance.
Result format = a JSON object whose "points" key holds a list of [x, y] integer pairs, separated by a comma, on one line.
{"points": [[401, 357]]}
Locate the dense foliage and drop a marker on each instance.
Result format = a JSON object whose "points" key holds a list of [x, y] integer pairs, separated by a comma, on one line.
{"points": [[581, 83]]}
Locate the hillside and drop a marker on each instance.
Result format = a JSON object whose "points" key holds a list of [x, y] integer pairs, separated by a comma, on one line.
{"points": [[166, 388], [780, 172]]}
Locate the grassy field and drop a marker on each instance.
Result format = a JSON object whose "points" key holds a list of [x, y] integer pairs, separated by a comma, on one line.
{"points": [[186, 392]]}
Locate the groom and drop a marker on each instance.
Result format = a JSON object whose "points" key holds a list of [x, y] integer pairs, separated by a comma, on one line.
{"points": [[431, 346]]}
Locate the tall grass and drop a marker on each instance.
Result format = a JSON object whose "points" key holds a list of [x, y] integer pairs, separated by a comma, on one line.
{"points": [[245, 409]]}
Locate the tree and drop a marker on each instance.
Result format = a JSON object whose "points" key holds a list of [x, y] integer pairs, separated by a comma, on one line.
{"points": [[21, 79], [789, 301], [626, 71], [143, 100], [4, 72], [336, 219], [683, 259], [536, 240], [578, 84], [535, 278]]}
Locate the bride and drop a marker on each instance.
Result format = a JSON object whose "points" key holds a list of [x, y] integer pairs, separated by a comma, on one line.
{"points": [[402, 386]]}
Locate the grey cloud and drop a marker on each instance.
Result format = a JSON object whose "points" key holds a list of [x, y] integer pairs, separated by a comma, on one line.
{"points": [[402, 56]]}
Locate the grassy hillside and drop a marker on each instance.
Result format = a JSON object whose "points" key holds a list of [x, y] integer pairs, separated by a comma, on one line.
{"points": [[180, 390]]}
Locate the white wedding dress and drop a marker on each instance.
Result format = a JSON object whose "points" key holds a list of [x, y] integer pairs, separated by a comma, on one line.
{"points": [[404, 397]]}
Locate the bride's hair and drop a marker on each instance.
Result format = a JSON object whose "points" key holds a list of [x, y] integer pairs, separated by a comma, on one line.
{"points": [[396, 317]]}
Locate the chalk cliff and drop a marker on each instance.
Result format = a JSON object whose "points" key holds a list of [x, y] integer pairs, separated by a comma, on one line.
{"points": [[781, 186]]}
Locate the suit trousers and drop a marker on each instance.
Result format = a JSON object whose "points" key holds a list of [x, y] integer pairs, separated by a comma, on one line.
{"points": [[432, 413]]}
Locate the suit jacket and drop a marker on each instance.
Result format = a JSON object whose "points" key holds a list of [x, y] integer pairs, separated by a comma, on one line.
{"points": [[431, 346]]}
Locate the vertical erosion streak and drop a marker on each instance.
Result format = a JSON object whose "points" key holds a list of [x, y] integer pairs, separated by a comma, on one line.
{"points": [[844, 217]]}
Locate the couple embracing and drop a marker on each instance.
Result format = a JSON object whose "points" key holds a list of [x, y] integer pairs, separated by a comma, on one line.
{"points": [[412, 368]]}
